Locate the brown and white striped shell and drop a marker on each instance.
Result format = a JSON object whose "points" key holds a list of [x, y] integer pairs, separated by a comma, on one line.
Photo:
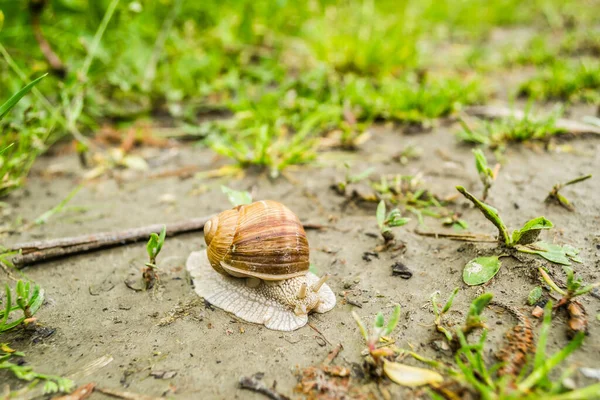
{"points": [[264, 240], [256, 267]]}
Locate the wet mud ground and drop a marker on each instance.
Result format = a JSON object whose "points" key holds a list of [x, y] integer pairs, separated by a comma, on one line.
{"points": [[92, 313]]}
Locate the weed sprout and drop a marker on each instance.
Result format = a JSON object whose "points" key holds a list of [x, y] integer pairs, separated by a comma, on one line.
{"points": [[388, 221], [153, 247]]}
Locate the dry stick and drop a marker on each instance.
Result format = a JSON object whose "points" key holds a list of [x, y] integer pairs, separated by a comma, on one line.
{"points": [[255, 384], [34, 252], [465, 237], [124, 395], [573, 127], [333, 354]]}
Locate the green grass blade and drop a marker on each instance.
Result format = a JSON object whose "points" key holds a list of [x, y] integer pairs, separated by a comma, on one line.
{"points": [[42, 219], [490, 213], [542, 371], [10, 103]]}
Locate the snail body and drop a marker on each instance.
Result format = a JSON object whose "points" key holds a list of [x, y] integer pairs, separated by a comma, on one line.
{"points": [[256, 266]]}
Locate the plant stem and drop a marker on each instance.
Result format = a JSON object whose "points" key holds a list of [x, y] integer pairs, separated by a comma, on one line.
{"points": [[487, 212]]}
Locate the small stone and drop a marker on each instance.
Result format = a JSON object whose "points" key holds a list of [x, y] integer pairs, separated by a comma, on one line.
{"points": [[537, 312], [401, 270]]}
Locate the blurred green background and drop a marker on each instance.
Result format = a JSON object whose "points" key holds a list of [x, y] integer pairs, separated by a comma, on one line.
{"points": [[288, 72]]}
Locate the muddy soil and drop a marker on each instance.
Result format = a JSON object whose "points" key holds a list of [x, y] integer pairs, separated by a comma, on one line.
{"points": [[92, 312]]}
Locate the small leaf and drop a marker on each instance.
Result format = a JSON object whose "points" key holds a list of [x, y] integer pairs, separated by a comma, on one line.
{"points": [[450, 301], [552, 252], [161, 240], [480, 270], [479, 304], [361, 326], [236, 197], [531, 230], [379, 320], [393, 321], [534, 295], [406, 375], [480, 162], [152, 245], [380, 214]]}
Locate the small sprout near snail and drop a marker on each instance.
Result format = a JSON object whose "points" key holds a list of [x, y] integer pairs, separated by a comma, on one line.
{"points": [[555, 197], [378, 333], [386, 222], [153, 247]]}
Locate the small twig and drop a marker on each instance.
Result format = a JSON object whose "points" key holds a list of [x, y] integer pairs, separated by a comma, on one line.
{"points": [[464, 237], [33, 252], [124, 395], [314, 328], [43, 250], [333, 354], [254, 383]]}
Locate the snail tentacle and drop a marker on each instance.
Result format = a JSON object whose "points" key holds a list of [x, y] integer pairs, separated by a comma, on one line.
{"points": [[302, 291], [317, 286]]}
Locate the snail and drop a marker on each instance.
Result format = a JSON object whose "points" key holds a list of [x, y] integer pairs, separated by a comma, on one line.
{"points": [[256, 267]]}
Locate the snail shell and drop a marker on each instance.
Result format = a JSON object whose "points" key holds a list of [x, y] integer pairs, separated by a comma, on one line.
{"points": [[264, 240], [256, 267]]}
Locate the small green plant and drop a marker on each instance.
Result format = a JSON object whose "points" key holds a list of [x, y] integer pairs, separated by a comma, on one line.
{"points": [[455, 222], [473, 372], [350, 179], [534, 295], [379, 360], [473, 321], [481, 270], [153, 247], [575, 286], [497, 133], [526, 235], [486, 174], [577, 317], [237, 197], [388, 221], [11, 361], [555, 197], [28, 299], [379, 330], [564, 80]]}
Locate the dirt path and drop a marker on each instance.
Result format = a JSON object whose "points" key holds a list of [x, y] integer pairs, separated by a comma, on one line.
{"points": [[95, 314]]}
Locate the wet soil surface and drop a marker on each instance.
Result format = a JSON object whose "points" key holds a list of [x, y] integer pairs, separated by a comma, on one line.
{"points": [[168, 341]]}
